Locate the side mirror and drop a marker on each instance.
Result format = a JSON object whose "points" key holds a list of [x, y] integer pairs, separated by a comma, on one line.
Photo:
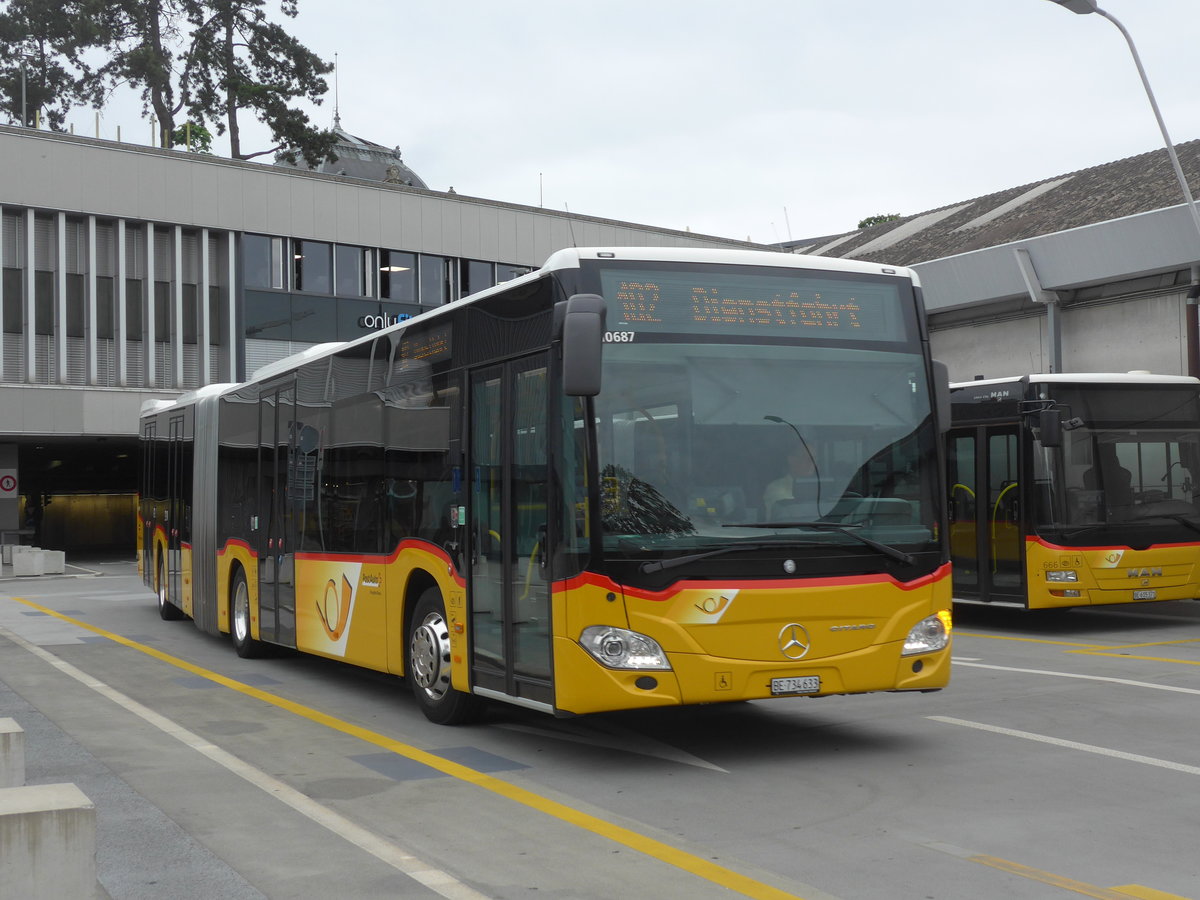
{"points": [[1050, 427], [582, 332], [941, 394]]}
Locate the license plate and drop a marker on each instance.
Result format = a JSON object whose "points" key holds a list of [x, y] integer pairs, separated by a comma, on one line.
{"points": [[1145, 595], [807, 684]]}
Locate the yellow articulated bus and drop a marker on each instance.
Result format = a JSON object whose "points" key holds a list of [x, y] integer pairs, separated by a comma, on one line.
{"points": [[634, 478], [1075, 489]]}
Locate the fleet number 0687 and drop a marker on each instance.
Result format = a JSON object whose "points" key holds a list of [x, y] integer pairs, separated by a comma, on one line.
{"points": [[618, 337]]}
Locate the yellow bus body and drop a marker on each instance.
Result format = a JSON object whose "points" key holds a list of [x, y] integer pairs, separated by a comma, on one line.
{"points": [[1111, 574]]}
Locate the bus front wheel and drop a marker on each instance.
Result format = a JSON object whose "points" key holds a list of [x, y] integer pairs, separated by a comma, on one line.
{"points": [[166, 609], [245, 645], [429, 665]]}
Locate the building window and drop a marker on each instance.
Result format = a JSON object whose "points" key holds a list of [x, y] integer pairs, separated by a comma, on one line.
{"points": [[262, 261], [398, 276], [14, 286], [436, 286], [475, 276], [352, 271], [313, 270], [505, 272]]}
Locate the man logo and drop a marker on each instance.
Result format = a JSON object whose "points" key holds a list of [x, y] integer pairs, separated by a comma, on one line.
{"points": [[793, 641]]}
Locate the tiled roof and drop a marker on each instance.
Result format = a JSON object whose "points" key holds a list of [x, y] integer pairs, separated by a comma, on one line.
{"points": [[1101, 193]]}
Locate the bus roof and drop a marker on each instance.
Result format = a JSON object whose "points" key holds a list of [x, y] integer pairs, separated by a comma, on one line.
{"points": [[570, 258], [1082, 378]]}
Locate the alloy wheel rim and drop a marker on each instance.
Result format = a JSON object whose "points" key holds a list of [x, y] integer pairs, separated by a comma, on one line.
{"points": [[429, 654]]}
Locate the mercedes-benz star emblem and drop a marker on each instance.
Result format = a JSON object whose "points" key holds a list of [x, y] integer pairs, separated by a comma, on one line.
{"points": [[793, 641]]}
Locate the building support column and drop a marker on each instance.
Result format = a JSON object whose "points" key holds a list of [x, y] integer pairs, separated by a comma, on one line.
{"points": [[1038, 294], [175, 328], [60, 299], [1191, 326], [149, 344], [120, 304], [203, 330], [229, 294], [29, 323], [91, 349]]}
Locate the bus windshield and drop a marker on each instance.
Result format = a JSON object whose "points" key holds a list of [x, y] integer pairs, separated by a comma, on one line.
{"points": [[1129, 456], [703, 445]]}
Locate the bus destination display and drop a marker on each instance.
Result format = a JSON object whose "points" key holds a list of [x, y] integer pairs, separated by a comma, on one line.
{"points": [[814, 308]]}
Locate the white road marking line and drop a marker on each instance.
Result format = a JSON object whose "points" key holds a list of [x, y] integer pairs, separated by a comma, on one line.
{"points": [[1071, 745], [435, 879], [1125, 681]]}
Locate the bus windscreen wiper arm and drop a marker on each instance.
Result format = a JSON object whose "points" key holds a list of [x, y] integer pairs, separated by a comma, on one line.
{"points": [[848, 530], [658, 565]]}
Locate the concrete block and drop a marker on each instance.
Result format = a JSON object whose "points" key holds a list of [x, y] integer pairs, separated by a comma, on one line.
{"points": [[54, 562], [47, 842], [28, 561], [12, 754], [6, 554]]}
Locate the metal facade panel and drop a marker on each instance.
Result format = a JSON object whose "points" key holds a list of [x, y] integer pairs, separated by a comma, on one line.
{"points": [[298, 217], [470, 245], [252, 193]]}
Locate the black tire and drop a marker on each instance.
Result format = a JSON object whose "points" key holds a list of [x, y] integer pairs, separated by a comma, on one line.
{"points": [[429, 665], [239, 619], [166, 609]]}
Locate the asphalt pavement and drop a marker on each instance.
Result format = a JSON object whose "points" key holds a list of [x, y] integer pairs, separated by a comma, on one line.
{"points": [[139, 849]]}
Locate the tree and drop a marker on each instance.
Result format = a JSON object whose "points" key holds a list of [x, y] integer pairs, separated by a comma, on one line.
{"points": [[193, 136], [206, 60], [42, 68], [241, 61], [878, 220]]}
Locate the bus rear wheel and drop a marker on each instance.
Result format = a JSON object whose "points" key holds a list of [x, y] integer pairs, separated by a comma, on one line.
{"points": [[166, 609], [239, 630], [429, 665]]}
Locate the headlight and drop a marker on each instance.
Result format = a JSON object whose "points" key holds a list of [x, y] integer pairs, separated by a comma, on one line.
{"points": [[619, 648], [1062, 575], [928, 635]]}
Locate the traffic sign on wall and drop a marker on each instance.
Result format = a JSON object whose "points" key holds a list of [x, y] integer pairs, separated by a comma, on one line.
{"points": [[8, 484]]}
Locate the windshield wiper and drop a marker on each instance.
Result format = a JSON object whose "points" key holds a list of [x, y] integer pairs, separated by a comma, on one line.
{"points": [[1177, 517], [899, 555], [658, 565]]}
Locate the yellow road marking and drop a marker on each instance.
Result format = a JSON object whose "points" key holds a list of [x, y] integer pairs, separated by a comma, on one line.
{"points": [[702, 868], [1145, 893], [1060, 881], [1123, 892]]}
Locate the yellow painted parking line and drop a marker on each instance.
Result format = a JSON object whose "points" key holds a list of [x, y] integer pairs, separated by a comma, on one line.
{"points": [[687, 862], [1145, 893], [1123, 892], [1059, 881]]}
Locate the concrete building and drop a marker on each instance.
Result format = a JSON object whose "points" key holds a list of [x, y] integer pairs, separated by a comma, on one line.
{"points": [[132, 273], [1088, 271]]}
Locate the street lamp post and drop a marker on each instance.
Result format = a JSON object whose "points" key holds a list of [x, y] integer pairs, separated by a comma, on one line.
{"points": [[1083, 8]]}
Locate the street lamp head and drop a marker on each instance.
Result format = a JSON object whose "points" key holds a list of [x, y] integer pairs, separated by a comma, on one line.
{"points": [[1082, 7]]}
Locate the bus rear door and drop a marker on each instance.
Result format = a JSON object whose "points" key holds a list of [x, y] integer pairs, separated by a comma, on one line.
{"points": [[276, 540]]}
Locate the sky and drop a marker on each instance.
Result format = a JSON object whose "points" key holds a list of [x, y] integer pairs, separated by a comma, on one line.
{"points": [[765, 120]]}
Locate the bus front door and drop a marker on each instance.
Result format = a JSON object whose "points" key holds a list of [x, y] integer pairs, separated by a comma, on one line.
{"points": [[987, 534], [508, 586], [276, 541]]}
